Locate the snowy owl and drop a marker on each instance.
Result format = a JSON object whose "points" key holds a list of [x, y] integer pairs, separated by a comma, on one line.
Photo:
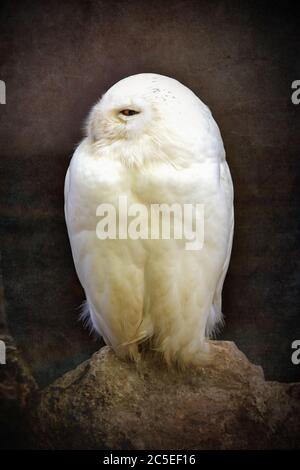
{"points": [[151, 141]]}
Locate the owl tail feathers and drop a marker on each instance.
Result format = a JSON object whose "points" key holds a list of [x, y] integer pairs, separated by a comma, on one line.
{"points": [[142, 336], [130, 348]]}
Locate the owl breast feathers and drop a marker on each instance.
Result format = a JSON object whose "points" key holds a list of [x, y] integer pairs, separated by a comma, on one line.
{"points": [[151, 143]]}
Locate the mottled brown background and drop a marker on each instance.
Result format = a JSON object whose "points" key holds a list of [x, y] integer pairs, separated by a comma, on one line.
{"points": [[57, 58]]}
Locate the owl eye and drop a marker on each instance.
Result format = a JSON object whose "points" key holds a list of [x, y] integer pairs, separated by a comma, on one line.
{"points": [[128, 112]]}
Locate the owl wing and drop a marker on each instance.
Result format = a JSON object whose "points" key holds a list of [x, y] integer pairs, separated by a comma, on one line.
{"points": [[86, 184], [216, 318]]}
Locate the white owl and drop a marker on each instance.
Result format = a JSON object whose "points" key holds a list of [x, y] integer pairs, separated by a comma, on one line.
{"points": [[152, 140]]}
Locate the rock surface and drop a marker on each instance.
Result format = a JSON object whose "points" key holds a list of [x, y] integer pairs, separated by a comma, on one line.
{"points": [[106, 403]]}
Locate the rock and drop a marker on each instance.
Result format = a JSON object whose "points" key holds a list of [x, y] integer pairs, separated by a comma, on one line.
{"points": [[106, 403]]}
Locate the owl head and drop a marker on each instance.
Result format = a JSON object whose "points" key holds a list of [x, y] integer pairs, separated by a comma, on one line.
{"points": [[145, 113]]}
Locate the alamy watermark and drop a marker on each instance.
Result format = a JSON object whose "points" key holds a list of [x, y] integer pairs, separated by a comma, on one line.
{"points": [[296, 94], [2, 352], [155, 221], [295, 358], [2, 92]]}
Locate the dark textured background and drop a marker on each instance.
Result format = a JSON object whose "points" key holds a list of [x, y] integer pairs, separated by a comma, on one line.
{"points": [[57, 58]]}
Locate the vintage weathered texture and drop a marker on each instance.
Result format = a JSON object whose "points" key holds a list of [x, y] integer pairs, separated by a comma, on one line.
{"points": [[57, 58], [108, 403]]}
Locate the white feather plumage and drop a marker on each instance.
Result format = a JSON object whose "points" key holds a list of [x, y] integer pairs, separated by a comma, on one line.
{"points": [[172, 151]]}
